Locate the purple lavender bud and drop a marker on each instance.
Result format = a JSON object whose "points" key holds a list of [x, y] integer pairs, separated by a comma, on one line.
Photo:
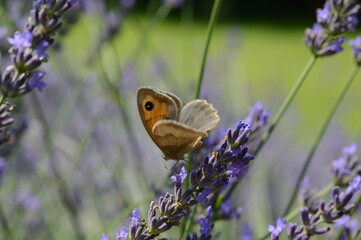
{"points": [[320, 43], [177, 191], [164, 227], [123, 234], [35, 81], [132, 230], [322, 230], [237, 169], [206, 226], [5, 114], [179, 178], [258, 116], [276, 230], [355, 184], [305, 217], [203, 196], [293, 231], [42, 47], [314, 219], [195, 177]]}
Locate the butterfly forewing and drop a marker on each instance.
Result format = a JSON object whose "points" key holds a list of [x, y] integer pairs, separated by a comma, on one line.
{"points": [[154, 106]]}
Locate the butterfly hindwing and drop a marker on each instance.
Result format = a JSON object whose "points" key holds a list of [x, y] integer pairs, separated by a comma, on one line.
{"points": [[199, 115], [175, 139]]}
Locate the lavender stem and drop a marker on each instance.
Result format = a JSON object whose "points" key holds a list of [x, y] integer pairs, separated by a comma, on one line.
{"points": [[320, 134]]}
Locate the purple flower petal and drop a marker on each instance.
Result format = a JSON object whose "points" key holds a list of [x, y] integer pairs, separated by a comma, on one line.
{"points": [[35, 81], [276, 230], [203, 196], [179, 178], [104, 237], [123, 234], [21, 40], [135, 216]]}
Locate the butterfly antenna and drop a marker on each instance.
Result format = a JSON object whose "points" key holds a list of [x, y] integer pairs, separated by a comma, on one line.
{"points": [[143, 163]]}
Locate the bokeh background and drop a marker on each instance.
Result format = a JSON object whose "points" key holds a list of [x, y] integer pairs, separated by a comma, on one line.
{"points": [[86, 122]]}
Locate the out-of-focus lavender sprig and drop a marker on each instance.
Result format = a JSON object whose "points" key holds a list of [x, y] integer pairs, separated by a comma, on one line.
{"points": [[327, 214], [28, 49], [356, 49], [258, 117], [317, 216], [336, 18], [347, 166], [209, 178], [27, 53], [206, 227], [351, 227], [112, 15]]}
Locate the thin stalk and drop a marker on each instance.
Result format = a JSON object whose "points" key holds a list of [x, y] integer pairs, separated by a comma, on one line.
{"points": [[286, 103], [73, 213], [3, 98], [5, 225], [276, 119], [212, 22], [187, 227], [320, 134], [158, 18]]}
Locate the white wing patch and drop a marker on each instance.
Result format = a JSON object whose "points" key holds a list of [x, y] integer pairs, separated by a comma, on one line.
{"points": [[199, 115]]}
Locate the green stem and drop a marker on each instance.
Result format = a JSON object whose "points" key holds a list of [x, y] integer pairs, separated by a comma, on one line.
{"points": [[188, 224], [285, 104], [277, 118], [320, 134], [3, 98], [212, 22], [142, 44], [5, 225]]}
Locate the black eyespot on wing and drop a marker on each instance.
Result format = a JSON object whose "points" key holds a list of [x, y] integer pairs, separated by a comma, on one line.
{"points": [[149, 106]]}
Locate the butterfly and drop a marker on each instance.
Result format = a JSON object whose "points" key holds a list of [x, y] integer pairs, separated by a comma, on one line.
{"points": [[175, 129]]}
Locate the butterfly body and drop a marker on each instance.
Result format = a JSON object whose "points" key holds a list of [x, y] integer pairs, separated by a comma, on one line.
{"points": [[175, 129]]}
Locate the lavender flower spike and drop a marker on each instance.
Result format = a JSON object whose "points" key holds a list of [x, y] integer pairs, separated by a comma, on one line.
{"points": [[336, 18], [320, 43]]}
